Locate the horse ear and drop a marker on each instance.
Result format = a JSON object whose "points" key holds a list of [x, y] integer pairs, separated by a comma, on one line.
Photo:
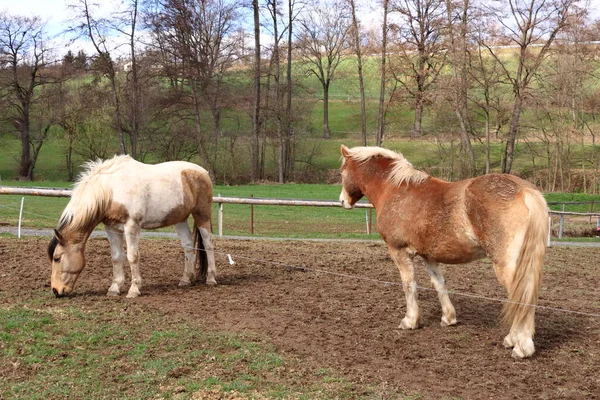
{"points": [[344, 151], [58, 236]]}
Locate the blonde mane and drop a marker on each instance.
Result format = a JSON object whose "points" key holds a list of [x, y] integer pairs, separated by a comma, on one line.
{"points": [[402, 170], [90, 196]]}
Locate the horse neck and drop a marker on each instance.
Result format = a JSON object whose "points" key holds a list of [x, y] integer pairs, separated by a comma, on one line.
{"points": [[81, 216], [374, 178], [78, 235]]}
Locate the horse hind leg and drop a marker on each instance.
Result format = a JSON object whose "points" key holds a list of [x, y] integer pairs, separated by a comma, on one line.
{"points": [[187, 242], [132, 238], [403, 262], [517, 273], [115, 238], [209, 250], [437, 279]]}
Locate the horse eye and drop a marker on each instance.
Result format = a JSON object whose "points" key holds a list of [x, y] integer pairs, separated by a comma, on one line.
{"points": [[56, 259]]}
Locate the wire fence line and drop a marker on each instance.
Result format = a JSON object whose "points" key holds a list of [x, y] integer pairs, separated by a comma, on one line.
{"points": [[230, 258]]}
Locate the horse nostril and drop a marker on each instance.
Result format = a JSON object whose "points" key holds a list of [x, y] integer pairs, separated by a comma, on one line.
{"points": [[55, 292]]}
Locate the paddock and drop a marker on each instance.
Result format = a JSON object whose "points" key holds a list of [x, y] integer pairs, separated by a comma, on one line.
{"points": [[335, 306]]}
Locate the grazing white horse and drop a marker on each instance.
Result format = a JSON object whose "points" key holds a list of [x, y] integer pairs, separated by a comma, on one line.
{"points": [[127, 196]]}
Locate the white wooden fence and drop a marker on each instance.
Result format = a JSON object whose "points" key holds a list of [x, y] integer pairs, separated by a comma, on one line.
{"points": [[52, 192], [220, 200]]}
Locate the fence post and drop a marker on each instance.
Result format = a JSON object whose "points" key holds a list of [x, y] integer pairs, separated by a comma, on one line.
{"points": [[561, 226], [220, 218], [252, 217], [549, 230], [20, 218], [368, 221]]}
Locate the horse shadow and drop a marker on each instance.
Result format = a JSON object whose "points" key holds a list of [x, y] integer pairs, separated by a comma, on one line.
{"points": [[554, 328]]}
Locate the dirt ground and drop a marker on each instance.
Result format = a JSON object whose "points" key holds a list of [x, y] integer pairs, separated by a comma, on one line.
{"points": [[336, 320]]}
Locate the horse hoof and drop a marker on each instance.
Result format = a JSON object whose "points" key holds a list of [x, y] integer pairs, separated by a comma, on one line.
{"points": [[133, 294], [508, 342], [523, 349], [112, 293], [211, 282], [446, 322], [407, 324], [184, 283]]}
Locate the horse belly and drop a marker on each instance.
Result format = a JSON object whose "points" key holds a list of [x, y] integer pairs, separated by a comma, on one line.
{"points": [[164, 214], [455, 253]]}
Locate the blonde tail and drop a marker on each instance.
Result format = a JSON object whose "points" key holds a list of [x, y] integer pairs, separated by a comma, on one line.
{"points": [[524, 289]]}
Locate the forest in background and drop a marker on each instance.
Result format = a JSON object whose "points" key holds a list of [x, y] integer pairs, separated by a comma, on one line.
{"points": [[268, 90]]}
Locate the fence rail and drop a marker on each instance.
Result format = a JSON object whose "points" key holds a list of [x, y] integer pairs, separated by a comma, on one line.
{"points": [[220, 200]]}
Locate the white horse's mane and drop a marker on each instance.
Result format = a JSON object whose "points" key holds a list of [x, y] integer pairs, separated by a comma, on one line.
{"points": [[402, 169], [90, 196]]}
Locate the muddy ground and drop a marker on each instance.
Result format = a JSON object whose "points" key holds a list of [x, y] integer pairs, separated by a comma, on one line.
{"points": [[350, 324]]}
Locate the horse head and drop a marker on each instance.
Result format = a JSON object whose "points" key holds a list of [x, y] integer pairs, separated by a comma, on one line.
{"points": [[351, 192], [67, 260]]}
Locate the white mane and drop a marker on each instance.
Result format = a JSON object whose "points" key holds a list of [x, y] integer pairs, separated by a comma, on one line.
{"points": [[402, 169], [90, 196]]}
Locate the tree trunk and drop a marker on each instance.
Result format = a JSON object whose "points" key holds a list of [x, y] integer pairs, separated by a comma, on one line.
{"points": [[512, 135], [417, 129], [487, 143], [361, 83], [381, 114], [135, 90], [459, 73], [289, 163], [25, 147], [326, 130], [256, 115]]}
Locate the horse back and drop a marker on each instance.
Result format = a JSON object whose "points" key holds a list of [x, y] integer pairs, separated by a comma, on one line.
{"points": [[159, 195], [453, 222]]}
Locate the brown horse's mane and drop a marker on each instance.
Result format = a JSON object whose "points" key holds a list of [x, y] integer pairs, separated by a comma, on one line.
{"points": [[402, 170], [90, 195]]}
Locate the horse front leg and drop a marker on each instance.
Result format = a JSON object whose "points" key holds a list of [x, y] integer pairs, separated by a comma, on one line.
{"points": [[132, 238], [187, 242], [403, 262], [437, 279], [115, 238]]}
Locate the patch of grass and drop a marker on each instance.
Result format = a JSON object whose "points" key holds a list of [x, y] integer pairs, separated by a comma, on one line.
{"points": [[63, 352]]}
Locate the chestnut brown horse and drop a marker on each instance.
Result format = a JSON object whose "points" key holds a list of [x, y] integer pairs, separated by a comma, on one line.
{"points": [[128, 196], [499, 216]]}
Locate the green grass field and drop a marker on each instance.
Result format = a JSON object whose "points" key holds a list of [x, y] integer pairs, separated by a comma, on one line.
{"points": [[269, 221]]}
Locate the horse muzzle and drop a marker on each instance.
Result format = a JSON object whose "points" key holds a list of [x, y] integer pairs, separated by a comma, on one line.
{"points": [[344, 200], [60, 293]]}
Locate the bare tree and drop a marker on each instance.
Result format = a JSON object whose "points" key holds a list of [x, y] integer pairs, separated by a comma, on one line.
{"points": [[24, 85], [532, 25], [256, 113], [197, 40], [288, 148], [361, 82], [275, 72], [322, 42], [384, 40], [458, 13], [421, 47], [486, 76], [99, 31]]}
